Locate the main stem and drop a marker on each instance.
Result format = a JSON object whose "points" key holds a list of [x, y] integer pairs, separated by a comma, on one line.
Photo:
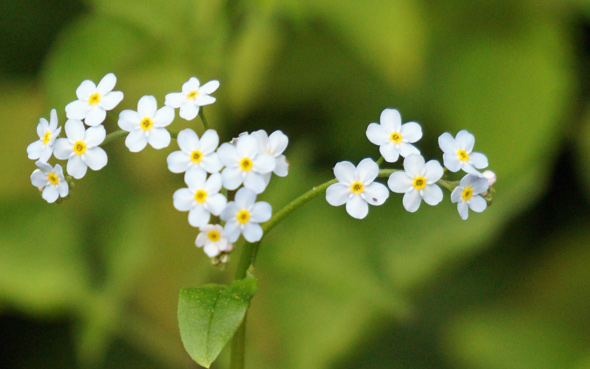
{"points": [[250, 250]]}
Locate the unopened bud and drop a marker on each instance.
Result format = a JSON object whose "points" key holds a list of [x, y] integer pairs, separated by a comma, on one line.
{"points": [[491, 176]]}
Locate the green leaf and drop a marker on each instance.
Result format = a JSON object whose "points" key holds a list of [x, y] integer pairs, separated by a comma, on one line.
{"points": [[210, 315]]}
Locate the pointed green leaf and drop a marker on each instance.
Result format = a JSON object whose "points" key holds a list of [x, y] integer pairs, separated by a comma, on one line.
{"points": [[209, 316]]}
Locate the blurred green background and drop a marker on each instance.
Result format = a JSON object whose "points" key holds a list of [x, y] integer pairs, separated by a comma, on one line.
{"points": [[93, 282]]}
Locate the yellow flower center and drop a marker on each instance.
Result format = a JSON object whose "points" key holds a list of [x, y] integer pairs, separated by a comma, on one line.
{"points": [[146, 124], [213, 235], [463, 155], [419, 183], [200, 196], [396, 137], [467, 193], [192, 95], [53, 179], [94, 98], [46, 137], [79, 147], [243, 216], [196, 156], [357, 187], [246, 164]]}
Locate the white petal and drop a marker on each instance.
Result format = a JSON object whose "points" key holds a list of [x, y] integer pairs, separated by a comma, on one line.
{"points": [[159, 138], [248, 147], [75, 130], [446, 142], [216, 203], [183, 199], [264, 163], [254, 182], [245, 198], [111, 100], [211, 163], [377, 134], [95, 116], [399, 182], [367, 170], [337, 194], [389, 152], [261, 212], [465, 140], [198, 216], [39, 178], [96, 158], [175, 99], [191, 85], [406, 149], [344, 172], [77, 109], [278, 142], [456, 194], [42, 127], [147, 106], [282, 168], [85, 89], [95, 136], [178, 162], [62, 148], [136, 141], [478, 160], [451, 161], [35, 149], [195, 179], [232, 231], [412, 200], [228, 154], [480, 185], [478, 204], [232, 178], [209, 87], [214, 183], [414, 165], [357, 207], [209, 141], [76, 167], [391, 120], [463, 210], [129, 120], [376, 193], [50, 193], [411, 132], [211, 250], [106, 84], [433, 171], [252, 232], [432, 194], [202, 100], [188, 110], [188, 140]]}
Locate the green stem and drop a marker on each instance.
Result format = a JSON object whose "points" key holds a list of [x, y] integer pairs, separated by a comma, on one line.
{"points": [[250, 250], [203, 119]]}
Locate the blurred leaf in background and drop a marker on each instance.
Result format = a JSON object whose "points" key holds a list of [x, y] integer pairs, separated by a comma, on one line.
{"points": [[102, 270]]}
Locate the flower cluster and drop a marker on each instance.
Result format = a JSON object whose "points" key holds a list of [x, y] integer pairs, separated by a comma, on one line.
{"points": [[419, 180], [244, 165]]}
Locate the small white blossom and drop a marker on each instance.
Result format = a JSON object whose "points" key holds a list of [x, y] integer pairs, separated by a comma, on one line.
{"points": [[51, 180], [245, 164], [94, 101], [193, 96], [201, 198], [393, 137], [146, 125], [490, 176], [195, 153], [48, 132], [457, 153], [81, 148], [243, 215], [356, 188], [417, 182], [467, 195], [274, 145], [213, 240]]}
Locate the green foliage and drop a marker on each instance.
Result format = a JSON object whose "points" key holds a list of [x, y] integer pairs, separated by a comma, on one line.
{"points": [[210, 315]]}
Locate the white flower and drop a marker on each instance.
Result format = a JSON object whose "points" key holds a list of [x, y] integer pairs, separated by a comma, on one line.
{"points": [[457, 153], [48, 132], [466, 195], [192, 97], [94, 101], [274, 145], [417, 182], [195, 153], [393, 137], [146, 125], [212, 237], [245, 164], [201, 198], [51, 179], [243, 216], [356, 188], [81, 148]]}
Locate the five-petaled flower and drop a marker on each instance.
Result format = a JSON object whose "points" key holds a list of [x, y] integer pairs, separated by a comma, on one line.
{"points": [[244, 163], [213, 240], [201, 198], [243, 215], [195, 153], [94, 101], [467, 195], [393, 137], [457, 153], [356, 187], [81, 148], [146, 125], [48, 132], [417, 182], [51, 179], [192, 97]]}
